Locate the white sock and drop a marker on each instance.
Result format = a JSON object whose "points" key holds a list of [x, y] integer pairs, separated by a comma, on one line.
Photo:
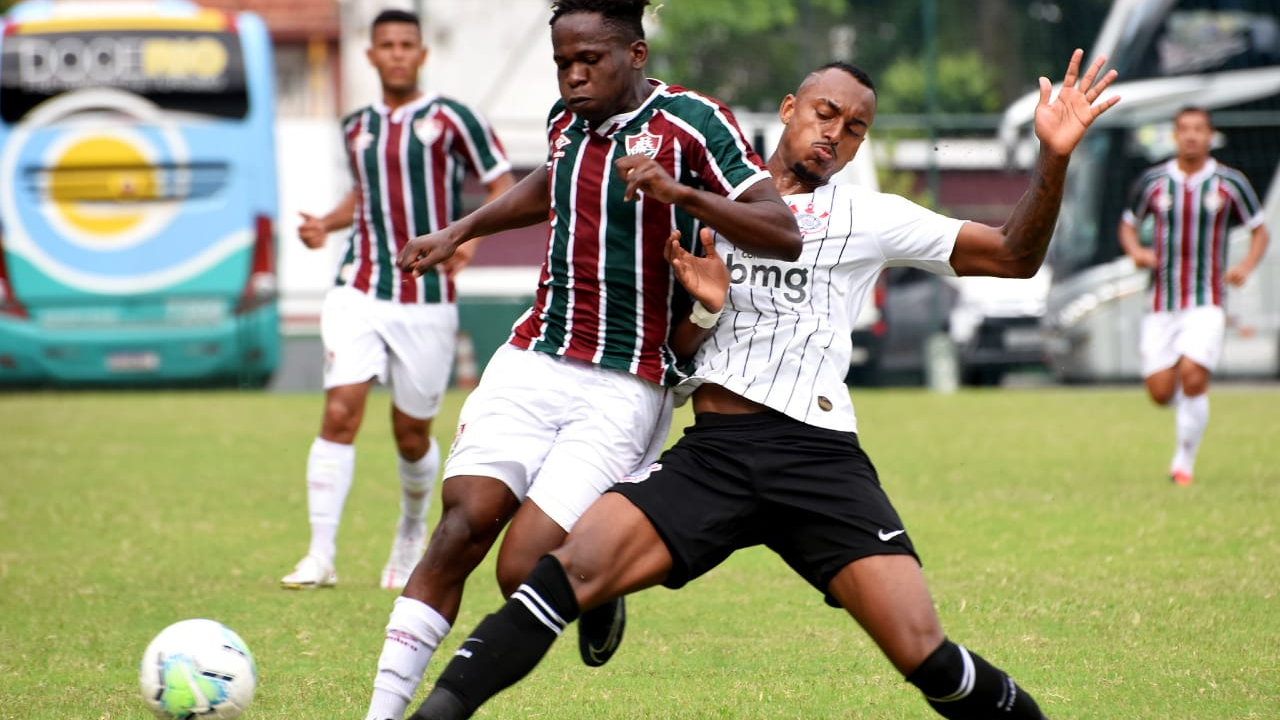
{"points": [[330, 467], [417, 480], [1192, 418], [413, 634]]}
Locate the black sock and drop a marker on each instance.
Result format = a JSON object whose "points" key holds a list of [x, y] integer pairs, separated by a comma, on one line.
{"points": [[505, 646], [960, 685]]}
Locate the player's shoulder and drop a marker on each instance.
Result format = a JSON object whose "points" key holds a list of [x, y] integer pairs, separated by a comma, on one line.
{"points": [[865, 199], [1229, 173], [1155, 173], [444, 102], [356, 115], [690, 104]]}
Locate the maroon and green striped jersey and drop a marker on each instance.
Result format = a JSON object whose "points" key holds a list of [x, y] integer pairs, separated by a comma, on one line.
{"points": [[606, 293], [409, 165], [1191, 215]]}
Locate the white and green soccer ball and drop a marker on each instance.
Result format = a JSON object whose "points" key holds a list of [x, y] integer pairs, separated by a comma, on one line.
{"points": [[197, 669]]}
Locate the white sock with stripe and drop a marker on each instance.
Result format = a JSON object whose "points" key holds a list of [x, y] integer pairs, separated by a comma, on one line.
{"points": [[413, 634], [330, 468], [1192, 417], [417, 480]]}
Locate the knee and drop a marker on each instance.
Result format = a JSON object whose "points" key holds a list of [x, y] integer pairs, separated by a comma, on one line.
{"points": [[511, 574], [1195, 384], [413, 436], [412, 445], [460, 527], [924, 642], [589, 578], [341, 420]]}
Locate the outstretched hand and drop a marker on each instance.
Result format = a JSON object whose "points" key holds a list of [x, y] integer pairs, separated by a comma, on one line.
{"points": [[1061, 123], [706, 278]]}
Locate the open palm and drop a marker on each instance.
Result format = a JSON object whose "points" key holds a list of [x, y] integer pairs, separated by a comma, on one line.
{"points": [[1061, 123], [705, 277]]}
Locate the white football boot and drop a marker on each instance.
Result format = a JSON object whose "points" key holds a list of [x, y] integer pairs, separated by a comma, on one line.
{"points": [[311, 572], [406, 550]]}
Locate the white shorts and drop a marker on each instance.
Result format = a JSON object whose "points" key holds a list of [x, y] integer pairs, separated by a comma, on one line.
{"points": [[409, 347], [558, 431], [1195, 333]]}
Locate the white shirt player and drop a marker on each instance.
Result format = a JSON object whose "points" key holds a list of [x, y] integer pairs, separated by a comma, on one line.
{"points": [[783, 339]]}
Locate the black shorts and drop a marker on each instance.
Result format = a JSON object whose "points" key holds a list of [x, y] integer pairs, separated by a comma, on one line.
{"points": [[733, 481]]}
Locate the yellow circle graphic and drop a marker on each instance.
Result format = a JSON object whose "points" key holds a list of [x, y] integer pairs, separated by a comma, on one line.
{"points": [[98, 183]]}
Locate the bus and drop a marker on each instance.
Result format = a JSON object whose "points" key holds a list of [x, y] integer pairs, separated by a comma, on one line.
{"points": [[138, 196], [1223, 56]]}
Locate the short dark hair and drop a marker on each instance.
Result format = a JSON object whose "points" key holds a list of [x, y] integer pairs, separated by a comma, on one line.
{"points": [[1185, 109], [622, 15], [858, 73], [393, 15]]}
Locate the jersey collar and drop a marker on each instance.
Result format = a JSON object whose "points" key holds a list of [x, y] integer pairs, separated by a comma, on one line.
{"points": [[1199, 176], [399, 113], [617, 122]]}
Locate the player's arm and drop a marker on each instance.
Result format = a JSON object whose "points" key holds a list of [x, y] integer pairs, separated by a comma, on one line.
{"points": [[1257, 247], [314, 230], [1143, 257], [463, 253], [1018, 247], [707, 280], [526, 203], [756, 221]]}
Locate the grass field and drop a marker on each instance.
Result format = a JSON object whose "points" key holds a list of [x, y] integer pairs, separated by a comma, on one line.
{"points": [[1053, 543]]}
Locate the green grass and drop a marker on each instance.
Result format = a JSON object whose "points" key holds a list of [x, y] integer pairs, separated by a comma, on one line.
{"points": [[1053, 544]]}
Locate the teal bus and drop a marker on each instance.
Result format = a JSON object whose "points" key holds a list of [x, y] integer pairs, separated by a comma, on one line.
{"points": [[138, 196]]}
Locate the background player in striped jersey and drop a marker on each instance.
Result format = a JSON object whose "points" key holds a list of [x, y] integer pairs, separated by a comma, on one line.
{"points": [[773, 456], [577, 398], [408, 155], [1192, 198]]}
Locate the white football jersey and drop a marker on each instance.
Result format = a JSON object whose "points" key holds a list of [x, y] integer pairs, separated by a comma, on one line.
{"points": [[784, 337]]}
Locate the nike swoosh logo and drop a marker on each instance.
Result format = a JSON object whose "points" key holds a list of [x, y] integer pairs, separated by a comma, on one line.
{"points": [[887, 536]]}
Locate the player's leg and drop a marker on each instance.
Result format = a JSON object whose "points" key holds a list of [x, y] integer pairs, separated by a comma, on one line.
{"points": [[418, 463], [503, 435], [616, 423], [888, 597], [832, 522], [613, 550], [475, 509], [330, 472], [670, 523], [1158, 355], [1191, 417], [1200, 344], [420, 341], [354, 357], [531, 535]]}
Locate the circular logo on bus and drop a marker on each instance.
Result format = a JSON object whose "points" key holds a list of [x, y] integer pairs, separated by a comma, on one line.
{"points": [[87, 198]]}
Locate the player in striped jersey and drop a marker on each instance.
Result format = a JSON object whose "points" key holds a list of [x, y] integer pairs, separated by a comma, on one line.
{"points": [[408, 156], [1191, 200], [577, 398], [773, 456]]}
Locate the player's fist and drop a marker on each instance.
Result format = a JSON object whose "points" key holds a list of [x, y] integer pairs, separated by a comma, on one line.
{"points": [[312, 231]]}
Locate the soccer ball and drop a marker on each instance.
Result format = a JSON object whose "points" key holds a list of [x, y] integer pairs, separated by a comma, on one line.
{"points": [[197, 669]]}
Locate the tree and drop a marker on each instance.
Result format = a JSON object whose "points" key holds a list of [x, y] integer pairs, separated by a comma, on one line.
{"points": [[746, 52], [750, 53]]}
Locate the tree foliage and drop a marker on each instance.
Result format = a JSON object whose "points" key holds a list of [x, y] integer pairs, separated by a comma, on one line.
{"points": [[750, 53]]}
